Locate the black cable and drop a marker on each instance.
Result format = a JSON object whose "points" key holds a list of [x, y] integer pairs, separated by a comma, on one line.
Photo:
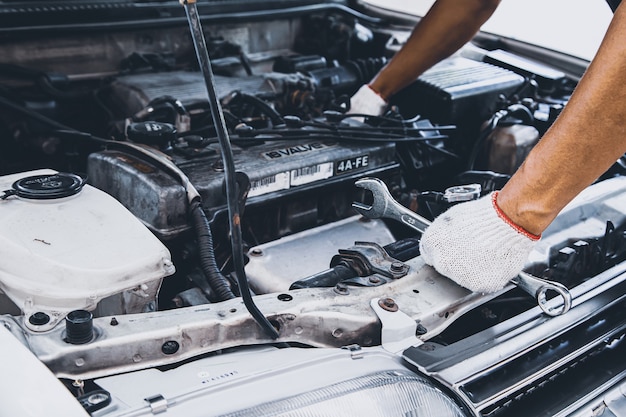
{"points": [[395, 138], [381, 128], [199, 42], [261, 105], [43, 80], [33, 114], [365, 135], [206, 254], [374, 117], [379, 118]]}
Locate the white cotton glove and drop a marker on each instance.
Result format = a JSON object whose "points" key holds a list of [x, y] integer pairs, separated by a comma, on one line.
{"points": [[367, 101], [476, 245]]}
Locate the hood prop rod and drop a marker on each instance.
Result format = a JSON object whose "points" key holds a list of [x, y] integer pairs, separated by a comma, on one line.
{"points": [[202, 54]]}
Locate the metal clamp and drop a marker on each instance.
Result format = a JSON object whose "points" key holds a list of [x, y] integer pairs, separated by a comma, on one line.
{"points": [[461, 193], [398, 329], [158, 403]]}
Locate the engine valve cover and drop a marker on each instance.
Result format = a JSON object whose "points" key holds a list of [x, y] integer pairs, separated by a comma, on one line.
{"points": [[274, 168]]}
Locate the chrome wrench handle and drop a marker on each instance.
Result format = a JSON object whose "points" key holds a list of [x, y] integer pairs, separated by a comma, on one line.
{"points": [[538, 287], [419, 224]]}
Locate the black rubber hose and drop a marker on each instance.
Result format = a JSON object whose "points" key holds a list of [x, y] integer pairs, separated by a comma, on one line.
{"points": [[33, 114], [260, 105], [206, 253]]}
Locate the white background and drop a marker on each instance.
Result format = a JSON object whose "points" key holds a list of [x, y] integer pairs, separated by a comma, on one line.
{"points": [[575, 27]]}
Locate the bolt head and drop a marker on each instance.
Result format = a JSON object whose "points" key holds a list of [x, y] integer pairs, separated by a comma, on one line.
{"points": [[388, 304], [256, 252], [396, 267], [170, 347]]}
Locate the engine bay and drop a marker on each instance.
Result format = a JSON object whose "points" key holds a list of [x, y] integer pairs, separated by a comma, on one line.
{"points": [[111, 269]]}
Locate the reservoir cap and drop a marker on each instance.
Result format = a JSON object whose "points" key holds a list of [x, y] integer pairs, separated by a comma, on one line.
{"points": [[49, 186]]}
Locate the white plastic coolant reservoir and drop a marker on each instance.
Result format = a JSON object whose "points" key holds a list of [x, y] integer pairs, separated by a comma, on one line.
{"points": [[67, 250]]}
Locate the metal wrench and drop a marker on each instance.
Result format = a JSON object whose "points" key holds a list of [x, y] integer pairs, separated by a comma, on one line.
{"points": [[385, 206], [538, 287]]}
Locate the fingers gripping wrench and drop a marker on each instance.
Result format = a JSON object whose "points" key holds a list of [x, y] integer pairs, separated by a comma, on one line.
{"points": [[384, 206]]}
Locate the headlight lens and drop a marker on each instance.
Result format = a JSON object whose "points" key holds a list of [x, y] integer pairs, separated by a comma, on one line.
{"points": [[384, 394]]}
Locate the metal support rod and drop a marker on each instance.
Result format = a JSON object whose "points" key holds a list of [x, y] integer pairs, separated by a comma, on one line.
{"points": [[229, 166]]}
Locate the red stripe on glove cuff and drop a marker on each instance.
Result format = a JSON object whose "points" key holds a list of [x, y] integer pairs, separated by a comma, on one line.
{"points": [[510, 222], [377, 93]]}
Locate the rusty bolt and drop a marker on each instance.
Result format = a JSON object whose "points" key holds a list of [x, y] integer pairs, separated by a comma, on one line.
{"points": [[396, 267], [256, 252], [388, 304], [374, 280]]}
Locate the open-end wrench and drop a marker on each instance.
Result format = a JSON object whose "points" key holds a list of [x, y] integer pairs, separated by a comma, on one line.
{"points": [[385, 206]]}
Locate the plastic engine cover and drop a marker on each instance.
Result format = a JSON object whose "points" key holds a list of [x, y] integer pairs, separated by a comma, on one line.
{"points": [[68, 253]]}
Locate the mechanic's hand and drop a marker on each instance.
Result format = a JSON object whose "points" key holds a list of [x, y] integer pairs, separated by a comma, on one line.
{"points": [[476, 245], [367, 101]]}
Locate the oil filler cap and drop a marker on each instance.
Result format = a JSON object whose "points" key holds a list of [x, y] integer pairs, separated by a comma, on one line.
{"points": [[48, 187], [156, 134]]}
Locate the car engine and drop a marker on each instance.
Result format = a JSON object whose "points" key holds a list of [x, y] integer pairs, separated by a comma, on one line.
{"points": [[120, 269]]}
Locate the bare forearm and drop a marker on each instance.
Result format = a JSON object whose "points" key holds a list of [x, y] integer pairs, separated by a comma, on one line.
{"points": [[447, 26], [588, 137]]}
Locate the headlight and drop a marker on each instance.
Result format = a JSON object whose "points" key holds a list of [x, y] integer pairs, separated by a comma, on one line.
{"points": [[389, 393]]}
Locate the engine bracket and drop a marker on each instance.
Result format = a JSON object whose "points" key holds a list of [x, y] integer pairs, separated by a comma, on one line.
{"points": [[368, 258]]}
